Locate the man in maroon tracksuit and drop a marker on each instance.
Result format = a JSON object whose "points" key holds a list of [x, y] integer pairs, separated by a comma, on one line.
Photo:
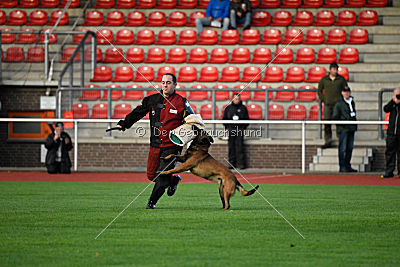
{"points": [[167, 112]]}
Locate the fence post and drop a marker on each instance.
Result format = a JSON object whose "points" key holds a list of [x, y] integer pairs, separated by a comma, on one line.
{"points": [[320, 118], [75, 145], [266, 127], [83, 64], [109, 109], [380, 115], [46, 55], [303, 147], [213, 94]]}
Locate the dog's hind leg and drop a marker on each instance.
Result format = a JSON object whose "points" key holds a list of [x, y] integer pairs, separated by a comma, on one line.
{"points": [[229, 190], [221, 192]]}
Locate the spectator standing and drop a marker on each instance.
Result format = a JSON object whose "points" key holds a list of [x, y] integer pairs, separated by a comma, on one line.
{"points": [[393, 135], [58, 144], [240, 13], [217, 14], [329, 89]]}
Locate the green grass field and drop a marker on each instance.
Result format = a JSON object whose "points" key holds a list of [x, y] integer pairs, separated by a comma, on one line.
{"points": [[52, 223]]}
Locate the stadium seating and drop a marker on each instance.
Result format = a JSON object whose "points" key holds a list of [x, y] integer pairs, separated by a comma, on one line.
{"points": [[203, 4], [177, 19], [220, 95], [187, 74], [102, 74], [54, 16], [305, 55], [144, 73], [313, 114], [198, 55], [125, 4], [229, 37], [306, 96], [67, 54], [376, 3], [260, 18], [296, 112], [336, 36], [155, 55], [94, 18], [354, 3], [88, 54], [78, 37], [35, 54], [26, 38], [145, 37], [166, 4], [333, 3], [99, 111], [146, 4], [156, 18], [294, 74], [251, 74], [291, 3], [134, 55], [312, 3], [166, 37], [271, 36], [121, 110], [255, 3], [115, 94], [284, 96], [90, 94], [230, 74], [273, 74], [124, 37], [135, 18], [52, 37], [104, 4], [255, 112], [180, 92], [346, 18], [260, 95], [7, 38], [9, 3], [176, 55], [123, 74], [283, 55], [270, 3], [36, 17], [133, 94], [244, 95], [314, 36], [250, 37], [104, 37], [315, 74], [163, 70], [275, 112], [187, 37], [367, 18], [208, 37], [358, 36], [28, 3], [3, 17], [73, 4], [17, 17], [324, 18], [293, 36], [240, 55], [206, 111], [80, 111], [326, 55], [193, 16], [208, 74], [113, 55], [261, 55], [219, 55], [344, 72], [303, 18], [282, 18], [198, 95], [114, 18], [187, 4], [348, 55]]}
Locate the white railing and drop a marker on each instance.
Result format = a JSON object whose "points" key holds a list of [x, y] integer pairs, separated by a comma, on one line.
{"points": [[303, 124]]}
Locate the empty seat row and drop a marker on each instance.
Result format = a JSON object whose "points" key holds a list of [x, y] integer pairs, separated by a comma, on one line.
{"points": [[16, 54], [36, 17], [37, 3], [26, 38], [321, 3], [148, 4], [211, 74]]}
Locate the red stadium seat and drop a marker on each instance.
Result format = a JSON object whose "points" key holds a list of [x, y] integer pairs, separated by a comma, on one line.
{"points": [[52, 37], [37, 17], [28, 3], [125, 4], [68, 115], [240, 55], [104, 37], [367, 18], [166, 37], [198, 95], [255, 112], [73, 4], [313, 115], [275, 112], [348, 55], [177, 19], [187, 74], [343, 71], [99, 111], [7, 38], [146, 4], [346, 18], [296, 112], [134, 55], [315, 74], [115, 94], [102, 74], [271, 36], [203, 3], [326, 55], [219, 55], [155, 89], [88, 54], [220, 95], [156, 18], [284, 96], [306, 96], [314, 36], [208, 74], [305, 55], [291, 3], [17, 17], [358, 36], [155, 55], [144, 73], [283, 55], [303, 18], [55, 15], [187, 37], [104, 4], [133, 94], [176, 55], [121, 110], [250, 37], [135, 18], [113, 55], [270, 3], [90, 94], [333, 3], [193, 16], [67, 54], [255, 3], [208, 37], [115, 18], [293, 36], [3, 17], [229, 37], [324, 18], [273, 74], [166, 4], [294, 75], [336, 36], [78, 37], [244, 95], [94, 18], [80, 111], [187, 4], [377, 3], [282, 18], [35, 54], [354, 3], [230, 74], [251, 74], [145, 37], [26, 38], [198, 55], [163, 70], [261, 55], [124, 37], [181, 92], [206, 112], [260, 18], [9, 3], [260, 95], [312, 4]]}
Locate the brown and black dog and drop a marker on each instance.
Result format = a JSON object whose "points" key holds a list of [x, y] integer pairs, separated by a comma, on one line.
{"points": [[201, 163]]}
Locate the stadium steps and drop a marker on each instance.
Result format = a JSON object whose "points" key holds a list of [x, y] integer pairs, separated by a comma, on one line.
{"points": [[327, 160]]}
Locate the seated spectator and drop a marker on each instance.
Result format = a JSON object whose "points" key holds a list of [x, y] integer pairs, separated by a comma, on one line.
{"points": [[217, 15], [240, 13]]}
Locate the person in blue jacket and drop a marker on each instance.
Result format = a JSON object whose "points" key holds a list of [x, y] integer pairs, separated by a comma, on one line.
{"points": [[217, 10]]}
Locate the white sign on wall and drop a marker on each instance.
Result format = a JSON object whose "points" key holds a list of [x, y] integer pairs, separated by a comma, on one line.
{"points": [[43, 152], [48, 102]]}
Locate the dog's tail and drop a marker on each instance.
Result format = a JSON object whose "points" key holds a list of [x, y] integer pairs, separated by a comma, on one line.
{"points": [[245, 192]]}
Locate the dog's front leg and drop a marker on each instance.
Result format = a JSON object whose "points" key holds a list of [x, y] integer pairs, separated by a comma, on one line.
{"points": [[187, 165]]}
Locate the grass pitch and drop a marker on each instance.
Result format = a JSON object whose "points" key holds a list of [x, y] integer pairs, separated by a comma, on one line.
{"points": [[52, 223]]}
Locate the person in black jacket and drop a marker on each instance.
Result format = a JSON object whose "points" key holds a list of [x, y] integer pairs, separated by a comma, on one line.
{"points": [[240, 12], [393, 135], [236, 111], [58, 144], [345, 110]]}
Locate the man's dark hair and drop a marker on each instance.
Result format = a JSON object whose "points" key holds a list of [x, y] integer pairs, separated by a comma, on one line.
{"points": [[333, 65], [236, 94], [173, 77]]}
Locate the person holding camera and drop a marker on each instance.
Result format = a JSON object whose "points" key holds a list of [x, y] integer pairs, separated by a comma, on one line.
{"points": [[240, 12], [393, 135], [58, 144]]}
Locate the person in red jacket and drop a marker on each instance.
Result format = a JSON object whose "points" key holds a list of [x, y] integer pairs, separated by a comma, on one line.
{"points": [[167, 111]]}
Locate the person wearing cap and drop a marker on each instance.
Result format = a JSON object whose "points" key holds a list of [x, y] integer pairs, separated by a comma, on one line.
{"points": [[58, 145], [345, 110], [329, 89]]}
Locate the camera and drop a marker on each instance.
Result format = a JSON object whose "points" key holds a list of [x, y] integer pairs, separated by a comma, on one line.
{"points": [[63, 135], [398, 97]]}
